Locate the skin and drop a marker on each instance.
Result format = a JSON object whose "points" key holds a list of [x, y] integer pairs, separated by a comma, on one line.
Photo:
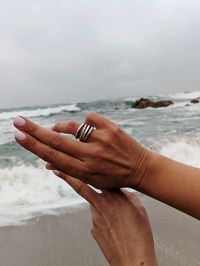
{"points": [[120, 225], [113, 159]]}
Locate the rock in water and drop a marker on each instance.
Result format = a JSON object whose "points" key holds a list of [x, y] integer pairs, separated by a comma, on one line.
{"points": [[195, 100], [144, 103]]}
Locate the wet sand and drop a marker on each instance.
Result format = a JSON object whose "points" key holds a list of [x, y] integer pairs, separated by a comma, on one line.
{"points": [[65, 240], [176, 235]]}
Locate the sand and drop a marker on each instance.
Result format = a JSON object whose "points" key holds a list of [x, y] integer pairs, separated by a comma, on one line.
{"points": [[65, 240], [176, 235]]}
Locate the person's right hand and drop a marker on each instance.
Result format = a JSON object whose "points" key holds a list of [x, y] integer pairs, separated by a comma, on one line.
{"points": [[120, 225], [110, 158]]}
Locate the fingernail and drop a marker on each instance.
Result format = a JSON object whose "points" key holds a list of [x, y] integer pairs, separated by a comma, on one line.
{"points": [[56, 172], [20, 136], [19, 121]]}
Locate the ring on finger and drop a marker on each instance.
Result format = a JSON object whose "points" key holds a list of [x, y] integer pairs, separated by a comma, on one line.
{"points": [[83, 132]]}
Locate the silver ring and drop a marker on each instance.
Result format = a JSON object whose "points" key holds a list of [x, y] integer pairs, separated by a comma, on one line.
{"points": [[83, 132]]}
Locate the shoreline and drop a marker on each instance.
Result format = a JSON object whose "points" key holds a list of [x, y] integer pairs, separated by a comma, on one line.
{"points": [[65, 240]]}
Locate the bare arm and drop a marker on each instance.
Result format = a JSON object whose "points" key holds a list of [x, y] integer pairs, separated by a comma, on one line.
{"points": [[173, 183], [113, 159]]}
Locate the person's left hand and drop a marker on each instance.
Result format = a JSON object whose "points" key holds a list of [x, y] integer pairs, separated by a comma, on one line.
{"points": [[120, 225]]}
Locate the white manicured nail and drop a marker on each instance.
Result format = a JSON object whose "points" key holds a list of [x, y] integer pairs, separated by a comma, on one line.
{"points": [[20, 136], [56, 172], [19, 121]]}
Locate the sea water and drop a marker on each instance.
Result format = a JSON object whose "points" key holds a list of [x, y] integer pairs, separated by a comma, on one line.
{"points": [[28, 190]]}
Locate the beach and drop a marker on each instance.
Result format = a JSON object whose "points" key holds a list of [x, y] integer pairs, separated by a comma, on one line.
{"points": [[65, 240], [43, 222], [28, 189]]}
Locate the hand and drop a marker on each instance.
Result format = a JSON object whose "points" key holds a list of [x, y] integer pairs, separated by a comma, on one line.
{"points": [[120, 225], [110, 158]]}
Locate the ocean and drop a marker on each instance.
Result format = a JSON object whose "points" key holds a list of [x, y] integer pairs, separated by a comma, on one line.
{"points": [[28, 190]]}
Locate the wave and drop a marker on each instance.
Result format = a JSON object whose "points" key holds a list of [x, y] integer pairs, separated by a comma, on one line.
{"points": [[40, 112], [30, 191], [27, 190], [131, 99], [184, 149], [186, 95]]}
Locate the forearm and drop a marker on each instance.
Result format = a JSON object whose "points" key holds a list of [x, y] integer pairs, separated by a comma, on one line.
{"points": [[173, 183]]}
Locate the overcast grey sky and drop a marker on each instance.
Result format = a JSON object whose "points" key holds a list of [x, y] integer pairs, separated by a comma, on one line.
{"points": [[61, 51]]}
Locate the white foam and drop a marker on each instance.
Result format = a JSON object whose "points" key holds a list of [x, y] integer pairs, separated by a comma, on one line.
{"points": [[40, 112], [130, 122], [179, 104], [131, 99], [186, 95], [25, 190], [184, 149]]}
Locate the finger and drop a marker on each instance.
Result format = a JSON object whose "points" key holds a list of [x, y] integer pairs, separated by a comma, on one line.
{"points": [[71, 127], [92, 119], [98, 121], [68, 127], [67, 163], [50, 138], [80, 187]]}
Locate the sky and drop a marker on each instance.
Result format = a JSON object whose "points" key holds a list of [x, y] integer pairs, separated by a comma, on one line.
{"points": [[64, 51]]}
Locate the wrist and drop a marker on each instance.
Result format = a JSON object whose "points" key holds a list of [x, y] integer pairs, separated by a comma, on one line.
{"points": [[149, 168]]}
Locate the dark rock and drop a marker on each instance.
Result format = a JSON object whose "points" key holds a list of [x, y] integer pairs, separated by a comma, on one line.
{"points": [[144, 103], [195, 100]]}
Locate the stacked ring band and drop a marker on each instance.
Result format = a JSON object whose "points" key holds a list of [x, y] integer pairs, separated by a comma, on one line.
{"points": [[83, 132]]}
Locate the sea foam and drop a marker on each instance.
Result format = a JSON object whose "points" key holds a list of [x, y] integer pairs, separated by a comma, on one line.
{"points": [[184, 149], [185, 95], [40, 112], [31, 190], [27, 190]]}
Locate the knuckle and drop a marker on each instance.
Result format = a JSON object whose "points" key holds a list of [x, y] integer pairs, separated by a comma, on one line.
{"points": [[57, 126], [110, 135], [50, 156], [71, 125], [107, 139], [32, 128], [79, 188], [87, 175], [98, 153], [83, 173], [91, 116], [89, 169], [32, 144], [56, 140], [115, 131]]}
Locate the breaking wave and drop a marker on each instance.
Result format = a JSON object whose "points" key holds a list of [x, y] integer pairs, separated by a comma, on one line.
{"points": [[186, 95], [40, 112], [30, 190], [184, 149]]}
